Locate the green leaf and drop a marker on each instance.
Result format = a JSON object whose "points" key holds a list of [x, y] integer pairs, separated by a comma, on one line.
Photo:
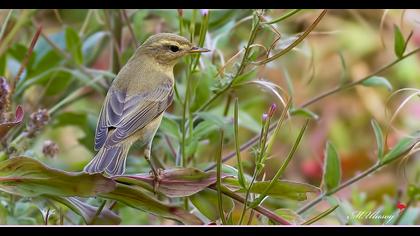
{"points": [[3, 214], [245, 77], [281, 189], [402, 147], [399, 42], [74, 45], [379, 138], [170, 128], [332, 169], [93, 46], [206, 202], [284, 16], [376, 81], [290, 216], [304, 113], [139, 199], [177, 182], [204, 129], [61, 74], [28, 177], [80, 120], [88, 212]]}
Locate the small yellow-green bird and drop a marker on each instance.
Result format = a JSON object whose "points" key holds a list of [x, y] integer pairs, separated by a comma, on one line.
{"points": [[136, 101]]}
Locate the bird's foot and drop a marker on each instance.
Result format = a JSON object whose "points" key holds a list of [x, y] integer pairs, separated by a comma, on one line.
{"points": [[157, 177]]}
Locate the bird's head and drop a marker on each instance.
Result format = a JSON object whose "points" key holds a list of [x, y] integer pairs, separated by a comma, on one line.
{"points": [[166, 48]]}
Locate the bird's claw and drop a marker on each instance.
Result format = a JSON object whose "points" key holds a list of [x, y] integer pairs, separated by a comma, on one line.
{"points": [[156, 177]]}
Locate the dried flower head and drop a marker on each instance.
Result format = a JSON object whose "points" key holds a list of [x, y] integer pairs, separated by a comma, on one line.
{"points": [[180, 12], [4, 98], [49, 148], [37, 121]]}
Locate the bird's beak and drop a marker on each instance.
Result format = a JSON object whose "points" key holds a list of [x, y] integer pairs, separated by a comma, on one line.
{"points": [[198, 50]]}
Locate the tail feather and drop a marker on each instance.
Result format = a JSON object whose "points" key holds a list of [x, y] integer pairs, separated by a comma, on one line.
{"points": [[111, 160]]}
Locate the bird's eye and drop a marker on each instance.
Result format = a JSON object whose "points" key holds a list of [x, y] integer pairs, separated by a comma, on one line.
{"points": [[174, 48]]}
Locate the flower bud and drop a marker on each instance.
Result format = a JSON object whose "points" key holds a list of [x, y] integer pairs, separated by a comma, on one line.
{"points": [[264, 117], [49, 148], [204, 12], [272, 109], [37, 121], [4, 98]]}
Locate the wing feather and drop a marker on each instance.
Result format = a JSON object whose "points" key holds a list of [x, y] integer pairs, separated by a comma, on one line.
{"points": [[127, 114]]}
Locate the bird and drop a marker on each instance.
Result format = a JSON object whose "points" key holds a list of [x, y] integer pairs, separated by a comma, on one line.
{"points": [[136, 101]]}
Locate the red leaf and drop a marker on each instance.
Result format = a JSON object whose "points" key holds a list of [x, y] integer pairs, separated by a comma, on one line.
{"points": [[5, 127]]}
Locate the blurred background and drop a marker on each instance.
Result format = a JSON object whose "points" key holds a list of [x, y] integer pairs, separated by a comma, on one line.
{"points": [[77, 47]]}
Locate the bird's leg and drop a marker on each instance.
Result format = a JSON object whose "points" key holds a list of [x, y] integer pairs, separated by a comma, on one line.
{"points": [[156, 172]]}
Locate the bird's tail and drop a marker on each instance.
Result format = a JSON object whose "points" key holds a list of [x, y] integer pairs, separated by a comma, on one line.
{"points": [[111, 160]]}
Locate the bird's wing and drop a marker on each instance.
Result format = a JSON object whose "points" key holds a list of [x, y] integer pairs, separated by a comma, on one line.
{"points": [[127, 114]]}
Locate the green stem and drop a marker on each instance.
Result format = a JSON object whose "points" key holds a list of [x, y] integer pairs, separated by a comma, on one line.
{"points": [[262, 210], [5, 43], [320, 216], [284, 16], [254, 140], [343, 185], [218, 180], [98, 212], [183, 122], [6, 21], [243, 63], [282, 168], [295, 43], [357, 82]]}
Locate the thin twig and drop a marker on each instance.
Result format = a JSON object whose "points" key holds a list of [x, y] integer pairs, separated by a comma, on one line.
{"points": [[253, 140], [320, 216], [26, 59], [133, 36], [357, 82], [295, 43], [218, 180], [343, 185], [264, 211]]}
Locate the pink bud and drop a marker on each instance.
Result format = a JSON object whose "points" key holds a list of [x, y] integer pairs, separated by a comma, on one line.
{"points": [[272, 109], [265, 117], [204, 12]]}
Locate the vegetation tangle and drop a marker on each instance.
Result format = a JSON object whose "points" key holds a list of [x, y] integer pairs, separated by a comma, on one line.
{"points": [[295, 117]]}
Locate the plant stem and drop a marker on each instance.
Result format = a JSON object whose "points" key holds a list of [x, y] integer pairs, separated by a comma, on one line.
{"points": [[320, 216], [254, 140], [262, 210], [218, 180], [343, 185], [282, 168], [295, 43], [130, 29], [283, 17], [242, 65], [357, 82], [4, 26], [26, 59], [98, 212], [9, 37]]}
